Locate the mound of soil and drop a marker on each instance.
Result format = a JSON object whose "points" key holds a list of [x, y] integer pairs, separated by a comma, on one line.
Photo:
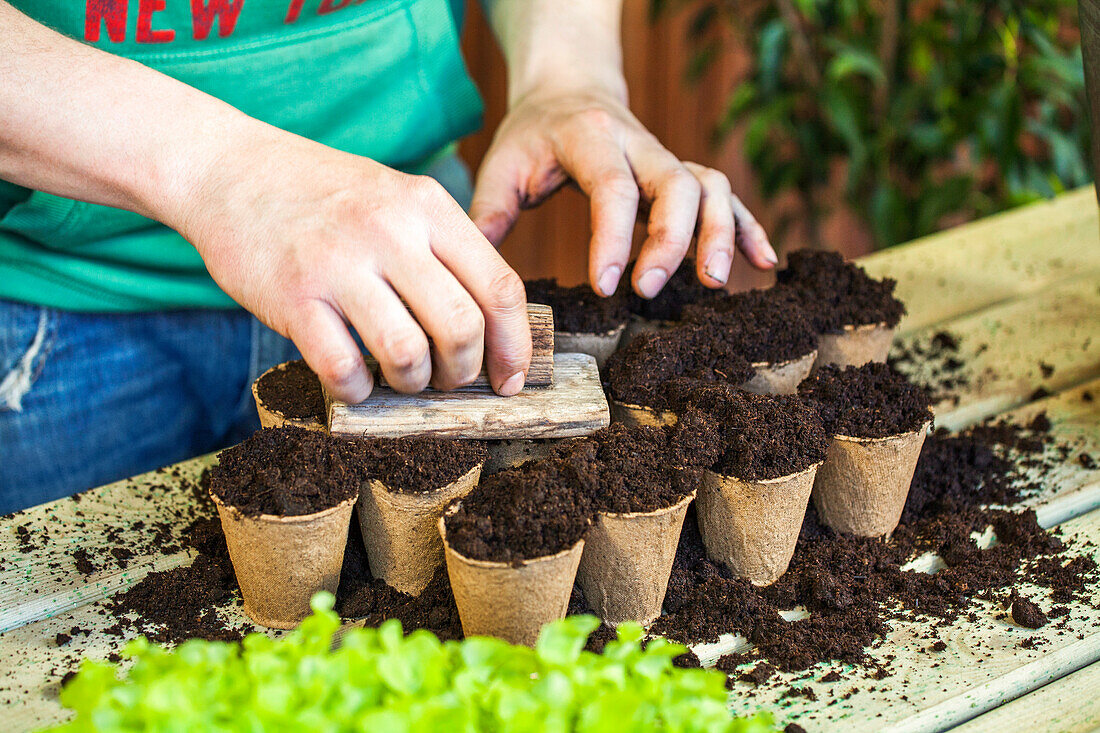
{"points": [[642, 469], [540, 508], [762, 436], [835, 293], [414, 465], [766, 326], [293, 391], [640, 373], [286, 472], [578, 309], [683, 288], [870, 401]]}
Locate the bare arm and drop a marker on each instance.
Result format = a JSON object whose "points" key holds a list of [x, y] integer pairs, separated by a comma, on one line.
{"points": [[313, 241], [568, 118]]}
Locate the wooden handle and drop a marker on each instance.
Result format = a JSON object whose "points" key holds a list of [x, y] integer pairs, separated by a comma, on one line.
{"points": [[541, 372]]}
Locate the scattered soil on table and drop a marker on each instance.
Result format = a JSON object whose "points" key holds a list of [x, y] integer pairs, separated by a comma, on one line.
{"points": [[640, 373], [538, 509], [763, 436], [870, 401], [854, 587], [643, 469], [414, 465], [293, 392], [286, 472], [835, 293], [935, 363], [683, 288], [578, 309], [766, 326], [1026, 613]]}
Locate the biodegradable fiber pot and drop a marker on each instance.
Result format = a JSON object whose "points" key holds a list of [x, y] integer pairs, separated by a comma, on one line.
{"points": [[640, 415], [781, 377], [862, 486], [272, 418], [399, 530], [510, 602], [508, 453], [280, 562], [752, 527], [855, 345], [627, 560], [599, 345]]}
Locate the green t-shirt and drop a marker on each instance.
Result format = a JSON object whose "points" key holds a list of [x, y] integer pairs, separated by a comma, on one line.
{"points": [[378, 78]]}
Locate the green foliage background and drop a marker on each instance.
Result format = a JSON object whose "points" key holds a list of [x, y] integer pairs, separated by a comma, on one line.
{"points": [[940, 111]]}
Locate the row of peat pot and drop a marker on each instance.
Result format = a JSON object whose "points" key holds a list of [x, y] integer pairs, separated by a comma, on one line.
{"points": [[622, 564]]}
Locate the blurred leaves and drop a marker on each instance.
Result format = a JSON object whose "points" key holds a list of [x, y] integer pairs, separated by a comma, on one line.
{"points": [[932, 111]]}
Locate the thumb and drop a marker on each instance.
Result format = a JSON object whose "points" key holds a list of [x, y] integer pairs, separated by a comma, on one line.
{"points": [[496, 202]]}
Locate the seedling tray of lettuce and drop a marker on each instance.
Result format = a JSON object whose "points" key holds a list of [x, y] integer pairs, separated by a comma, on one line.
{"points": [[382, 680]]}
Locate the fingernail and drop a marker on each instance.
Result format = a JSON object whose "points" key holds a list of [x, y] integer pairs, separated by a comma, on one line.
{"points": [[609, 280], [769, 254], [512, 385], [651, 282], [718, 266]]}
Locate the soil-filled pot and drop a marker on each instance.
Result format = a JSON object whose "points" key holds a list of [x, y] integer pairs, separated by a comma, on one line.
{"points": [[640, 415], [780, 378], [400, 530], [862, 486], [510, 602], [280, 562], [638, 325], [599, 345], [752, 527], [627, 560], [854, 345], [271, 416]]}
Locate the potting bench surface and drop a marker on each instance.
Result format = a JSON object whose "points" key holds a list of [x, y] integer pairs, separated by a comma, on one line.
{"points": [[1018, 289]]}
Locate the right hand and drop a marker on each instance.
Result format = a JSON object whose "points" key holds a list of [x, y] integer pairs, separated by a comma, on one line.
{"points": [[313, 241]]}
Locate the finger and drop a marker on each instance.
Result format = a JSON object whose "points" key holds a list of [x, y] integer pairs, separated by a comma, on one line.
{"points": [[597, 163], [446, 311], [494, 286], [751, 237], [674, 193], [388, 331], [714, 251], [323, 339], [497, 199]]}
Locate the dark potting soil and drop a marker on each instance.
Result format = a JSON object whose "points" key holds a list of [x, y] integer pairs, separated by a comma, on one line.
{"points": [[642, 469], [835, 293], [294, 391], [935, 363], [763, 436], [870, 401], [1026, 613], [286, 472], [639, 374], [414, 465], [683, 288], [766, 326], [540, 508], [578, 309]]}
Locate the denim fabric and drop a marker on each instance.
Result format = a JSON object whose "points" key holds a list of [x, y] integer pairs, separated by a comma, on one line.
{"points": [[86, 399]]}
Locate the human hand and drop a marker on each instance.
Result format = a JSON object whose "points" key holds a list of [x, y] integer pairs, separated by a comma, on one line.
{"points": [[587, 134], [314, 241]]}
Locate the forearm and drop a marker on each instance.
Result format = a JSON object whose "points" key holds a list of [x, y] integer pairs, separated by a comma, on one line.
{"points": [[549, 44], [81, 123]]}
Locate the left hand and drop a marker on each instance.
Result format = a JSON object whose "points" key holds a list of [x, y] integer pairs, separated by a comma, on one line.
{"points": [[587, 134]]}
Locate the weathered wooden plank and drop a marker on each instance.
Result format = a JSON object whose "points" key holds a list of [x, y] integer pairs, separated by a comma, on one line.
{"points": [[574, 405], [1067, 705], [1051, 340], [999, 258]]}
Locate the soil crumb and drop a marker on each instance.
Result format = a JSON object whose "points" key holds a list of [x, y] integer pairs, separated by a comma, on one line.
{"points": [[294, 391], [578, 309], [835, 293], [870, 401], [1026, 613]]}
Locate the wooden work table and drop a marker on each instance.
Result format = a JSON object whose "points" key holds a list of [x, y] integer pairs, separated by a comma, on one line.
{"points": [[1017, 289]]}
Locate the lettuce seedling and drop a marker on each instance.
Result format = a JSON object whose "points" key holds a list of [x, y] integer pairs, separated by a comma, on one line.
{"points": [[381, 680]]}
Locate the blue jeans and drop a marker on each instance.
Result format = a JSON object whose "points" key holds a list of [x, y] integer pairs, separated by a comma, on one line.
{"points": [[89, 398]]}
